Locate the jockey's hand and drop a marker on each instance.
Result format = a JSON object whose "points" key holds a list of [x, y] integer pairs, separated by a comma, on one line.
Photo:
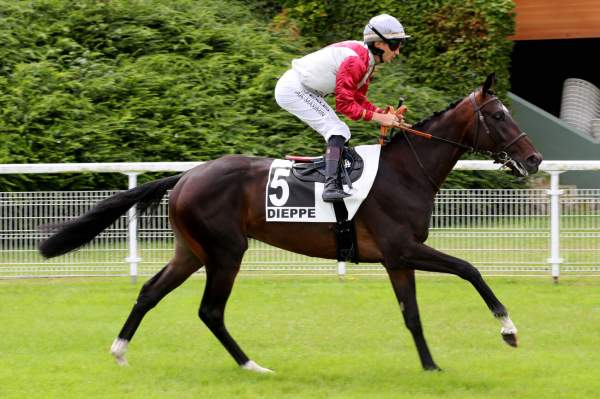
{"points": [[400, 117], [388, 120]]}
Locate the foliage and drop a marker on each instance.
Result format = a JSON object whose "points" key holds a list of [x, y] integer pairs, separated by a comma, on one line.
{"points": [[139, 81], [148, 80], [454, 43]]}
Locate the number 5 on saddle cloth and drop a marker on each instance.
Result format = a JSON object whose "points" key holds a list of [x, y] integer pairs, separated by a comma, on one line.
{"points": [[294, 188]]}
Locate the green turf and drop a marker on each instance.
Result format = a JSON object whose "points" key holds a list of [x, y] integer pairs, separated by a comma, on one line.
{"points": [[324, 339]]}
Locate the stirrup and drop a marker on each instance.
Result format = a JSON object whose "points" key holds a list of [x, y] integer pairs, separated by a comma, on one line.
{"points": [[334, 194]]}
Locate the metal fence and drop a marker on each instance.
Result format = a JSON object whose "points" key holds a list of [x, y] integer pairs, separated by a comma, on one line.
{"points": [[499, 231]]}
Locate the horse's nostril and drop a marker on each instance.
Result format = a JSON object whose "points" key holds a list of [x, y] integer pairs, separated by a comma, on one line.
{"points": [[534, 160]]}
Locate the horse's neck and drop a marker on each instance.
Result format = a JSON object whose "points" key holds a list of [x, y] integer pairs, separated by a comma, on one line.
{"points": [[437, 158]]}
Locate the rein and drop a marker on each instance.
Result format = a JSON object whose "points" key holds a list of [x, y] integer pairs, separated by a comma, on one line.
{"points": [[429, 136], [499, 156]]}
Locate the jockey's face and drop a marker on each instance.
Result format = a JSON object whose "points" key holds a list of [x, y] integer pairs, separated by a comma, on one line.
{"points": [[388, 54]]}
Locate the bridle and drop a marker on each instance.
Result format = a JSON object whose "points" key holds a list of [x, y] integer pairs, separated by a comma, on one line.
{"points": [[500, 156]]}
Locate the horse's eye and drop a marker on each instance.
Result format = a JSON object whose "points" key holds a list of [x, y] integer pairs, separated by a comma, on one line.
{"points": [[499, 115]]}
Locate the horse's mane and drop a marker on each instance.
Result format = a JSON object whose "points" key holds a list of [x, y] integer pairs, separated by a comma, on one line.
{"points": [[421, 124]]}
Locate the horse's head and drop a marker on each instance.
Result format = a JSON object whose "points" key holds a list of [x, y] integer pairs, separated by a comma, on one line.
{"points": [[497, 132]]}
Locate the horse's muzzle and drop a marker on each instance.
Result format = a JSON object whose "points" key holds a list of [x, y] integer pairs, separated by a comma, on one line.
{"points": [[533, 162], [525, 168]]}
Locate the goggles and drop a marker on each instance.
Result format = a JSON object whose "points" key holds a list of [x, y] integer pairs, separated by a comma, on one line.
{"points": [[394, 44]]}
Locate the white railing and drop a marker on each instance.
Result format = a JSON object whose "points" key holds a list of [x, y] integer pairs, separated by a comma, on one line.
{"points": [[499, 231]]}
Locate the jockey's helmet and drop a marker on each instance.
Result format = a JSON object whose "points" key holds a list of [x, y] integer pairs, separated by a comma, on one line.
{"points": [[385, 28]]}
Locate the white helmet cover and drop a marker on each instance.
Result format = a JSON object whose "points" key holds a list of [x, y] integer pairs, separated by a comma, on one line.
{"points": [[385, 24]]}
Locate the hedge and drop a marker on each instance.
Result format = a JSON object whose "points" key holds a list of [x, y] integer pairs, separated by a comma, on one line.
{"points": [[126, 81]]}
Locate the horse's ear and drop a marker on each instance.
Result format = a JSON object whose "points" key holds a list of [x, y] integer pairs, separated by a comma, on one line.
{"points": [[489, 83]]}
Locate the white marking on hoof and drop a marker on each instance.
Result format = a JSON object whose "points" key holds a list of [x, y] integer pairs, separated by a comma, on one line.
{"points": [[253, 366], [118, 349], [507, 326]]}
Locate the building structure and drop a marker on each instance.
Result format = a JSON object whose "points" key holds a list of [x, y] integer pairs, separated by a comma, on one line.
{"points": [[555, 40]]}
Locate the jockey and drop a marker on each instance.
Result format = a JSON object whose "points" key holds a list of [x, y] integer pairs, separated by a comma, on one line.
{"points": [[344, 69]]}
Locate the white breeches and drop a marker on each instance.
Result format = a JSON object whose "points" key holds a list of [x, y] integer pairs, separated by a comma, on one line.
{"points": [[309, 107]]}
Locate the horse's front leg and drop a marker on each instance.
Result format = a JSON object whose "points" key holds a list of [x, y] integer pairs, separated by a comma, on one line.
{"points": [[422, 257], [403, 282]]}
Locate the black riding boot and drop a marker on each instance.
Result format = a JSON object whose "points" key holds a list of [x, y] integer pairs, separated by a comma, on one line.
{"points": [[333, 191]]}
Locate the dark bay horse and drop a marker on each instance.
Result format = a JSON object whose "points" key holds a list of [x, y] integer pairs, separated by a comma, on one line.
{"points": [[215, 207]]}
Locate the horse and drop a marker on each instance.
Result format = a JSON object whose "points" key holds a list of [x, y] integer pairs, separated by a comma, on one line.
{"points": [[215, 207]]}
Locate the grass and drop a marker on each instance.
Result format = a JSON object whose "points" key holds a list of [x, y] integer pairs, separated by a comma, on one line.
{"points": [[325, 339]]}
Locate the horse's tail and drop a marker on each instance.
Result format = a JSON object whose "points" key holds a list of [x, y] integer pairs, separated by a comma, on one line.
{"points": [[78, 232]]}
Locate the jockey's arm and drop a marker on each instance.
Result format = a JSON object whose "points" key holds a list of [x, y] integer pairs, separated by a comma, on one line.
{"points": [[352, 102]]}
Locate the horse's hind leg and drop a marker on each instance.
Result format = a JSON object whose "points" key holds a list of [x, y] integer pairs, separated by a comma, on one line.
{"points": [[220, 277], [183, 264], [403, 282]]}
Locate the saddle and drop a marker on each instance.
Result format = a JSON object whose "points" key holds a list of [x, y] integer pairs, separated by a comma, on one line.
{"points": [[312, 169]]}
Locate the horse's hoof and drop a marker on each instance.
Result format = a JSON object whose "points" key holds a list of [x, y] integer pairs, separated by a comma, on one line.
{"points": [[432, 367], [510, 339], [251, 365], [118, 349], [121, 360]]}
